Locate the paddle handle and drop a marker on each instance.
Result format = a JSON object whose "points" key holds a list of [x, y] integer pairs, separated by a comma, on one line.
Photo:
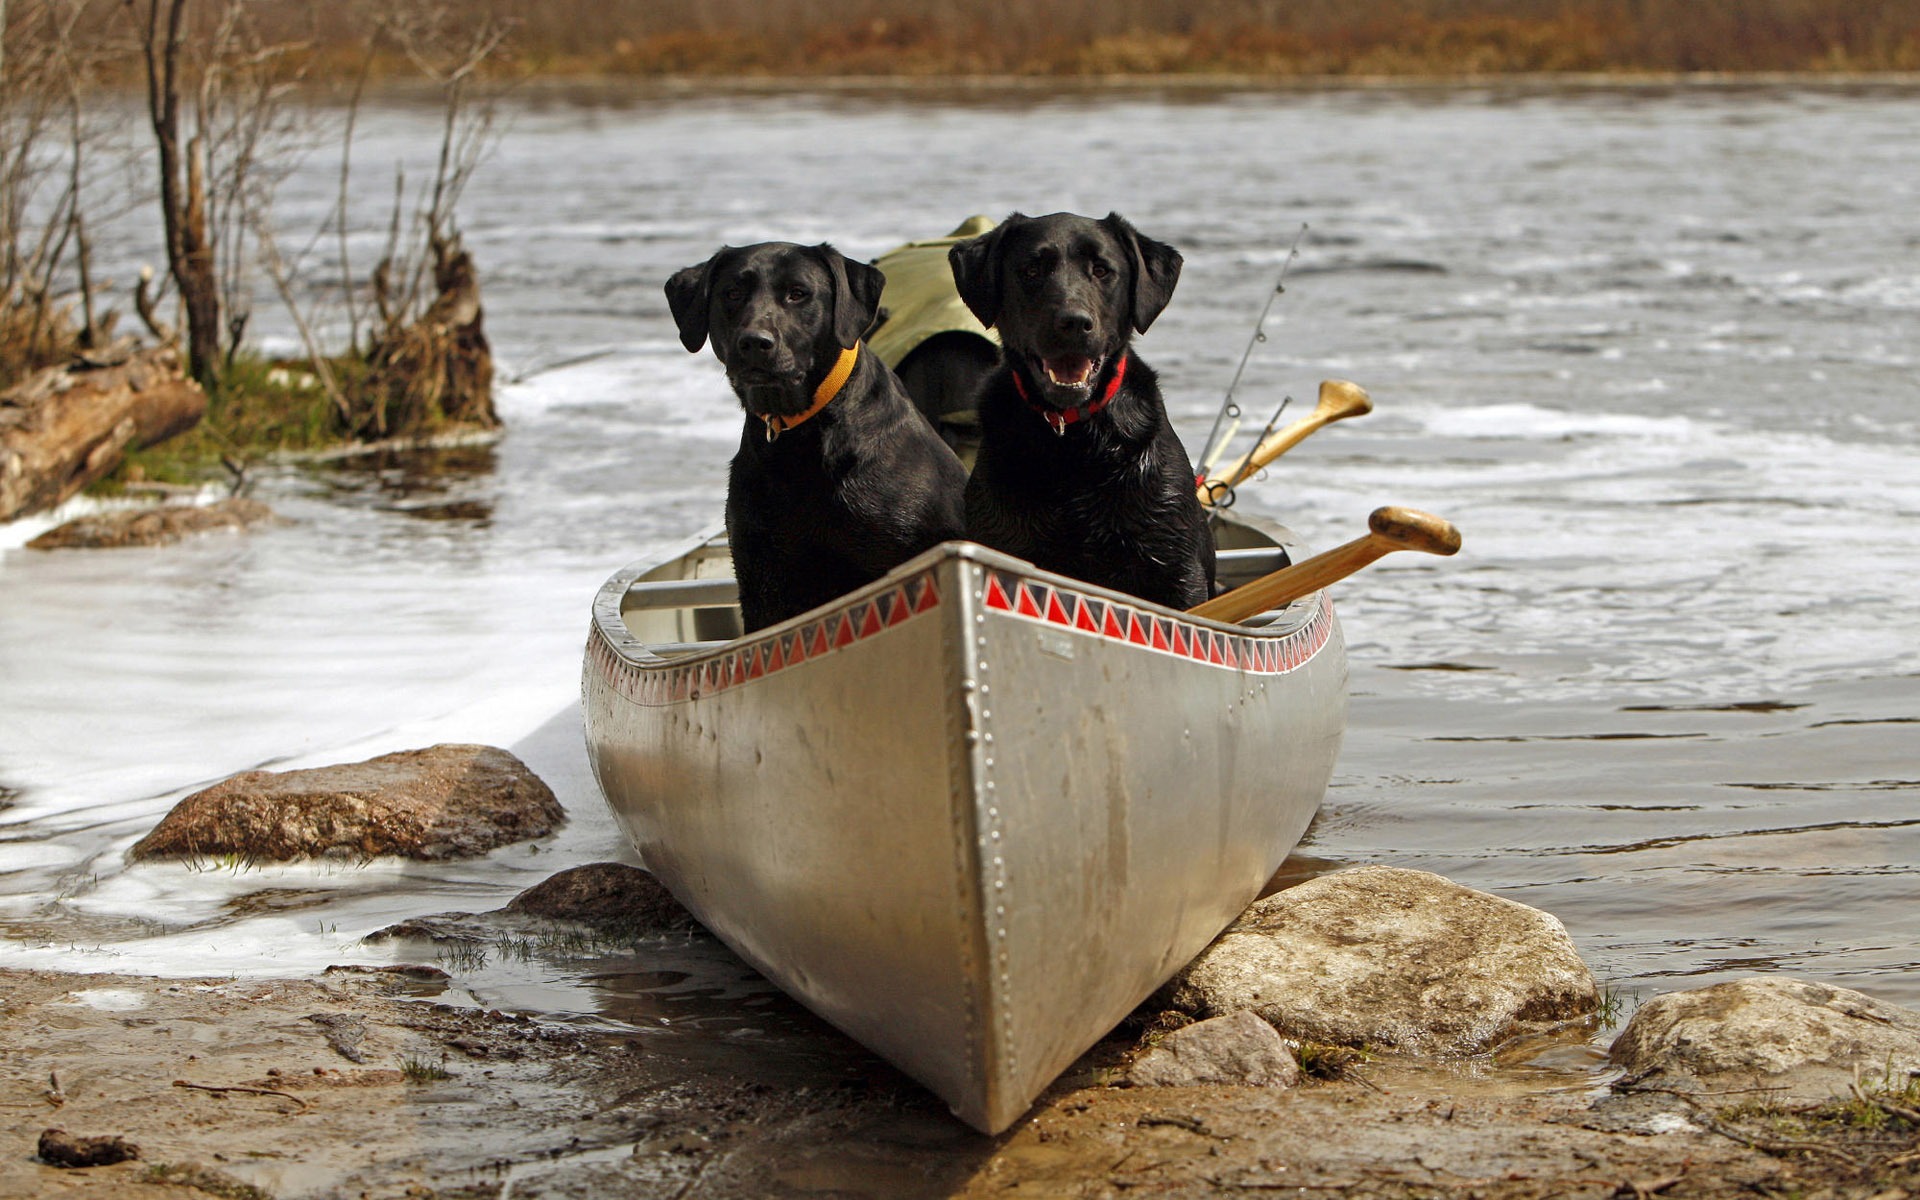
{"points": [[1388, 529], [1339, 399]]}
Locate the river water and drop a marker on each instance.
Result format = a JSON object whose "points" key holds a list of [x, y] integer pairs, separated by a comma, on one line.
{"points": [[1653, 350]]}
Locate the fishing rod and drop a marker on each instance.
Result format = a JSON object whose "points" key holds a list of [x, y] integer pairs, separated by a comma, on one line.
{"points": [[1216, 491], [1229, 414]]}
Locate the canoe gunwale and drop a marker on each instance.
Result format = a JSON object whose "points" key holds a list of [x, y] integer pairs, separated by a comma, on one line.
{"points": [[611, 625]]}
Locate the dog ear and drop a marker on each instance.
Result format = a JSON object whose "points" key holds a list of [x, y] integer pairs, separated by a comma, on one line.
{"points": [[689, 296], [976, 271], [1156, 269], [856, 294]]}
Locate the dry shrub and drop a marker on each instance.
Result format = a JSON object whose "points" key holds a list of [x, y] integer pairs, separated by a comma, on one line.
{"points": [[698, 52], [434, 373], [1136, 54], [1486, 46]]}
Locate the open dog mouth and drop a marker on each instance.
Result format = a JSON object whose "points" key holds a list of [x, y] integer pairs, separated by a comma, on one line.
{"points": [[1070, 370]]}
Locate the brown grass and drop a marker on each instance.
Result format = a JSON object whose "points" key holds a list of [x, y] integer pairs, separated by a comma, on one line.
{"points": [[1261, 37], [1277, 38]]}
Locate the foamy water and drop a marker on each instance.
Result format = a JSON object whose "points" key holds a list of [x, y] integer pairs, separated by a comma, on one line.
{"points": [[1652, 353]]}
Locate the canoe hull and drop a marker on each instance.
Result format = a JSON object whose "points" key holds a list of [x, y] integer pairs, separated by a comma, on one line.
{"points": [[973, 814]]}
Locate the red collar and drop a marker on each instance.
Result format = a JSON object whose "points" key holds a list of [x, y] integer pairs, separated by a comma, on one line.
{"points": [[1061, 418]]}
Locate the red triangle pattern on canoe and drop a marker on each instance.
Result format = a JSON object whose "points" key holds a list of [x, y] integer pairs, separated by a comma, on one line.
{"points": [[1266, 654], [1083, 619], [660, 683], [1025, 605]]}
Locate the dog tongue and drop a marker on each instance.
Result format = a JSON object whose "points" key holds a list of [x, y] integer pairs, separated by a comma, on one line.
{"points": [[1069, 370]]}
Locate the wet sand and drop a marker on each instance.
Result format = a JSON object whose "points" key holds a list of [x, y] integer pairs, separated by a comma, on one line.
{"points": [[456, 1101]]}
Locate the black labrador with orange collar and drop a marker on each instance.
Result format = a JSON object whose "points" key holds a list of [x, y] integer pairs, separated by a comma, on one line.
{"points": [[1079, 471], [839, 478]]}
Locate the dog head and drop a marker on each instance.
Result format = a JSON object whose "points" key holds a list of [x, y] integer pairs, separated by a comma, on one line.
{"points": [[1066, 293], [778, 315]]}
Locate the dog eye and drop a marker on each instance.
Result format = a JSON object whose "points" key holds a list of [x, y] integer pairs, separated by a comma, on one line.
{"points": [[733, 295], [797, 295], [1101, 270], [1031, 271]]}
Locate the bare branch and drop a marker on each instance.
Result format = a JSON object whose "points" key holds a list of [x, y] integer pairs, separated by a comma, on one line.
{"points": [[322, 365]]}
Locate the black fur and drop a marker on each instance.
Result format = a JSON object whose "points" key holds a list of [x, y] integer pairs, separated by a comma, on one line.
{"points": [[851, 493], [1110, 500]]}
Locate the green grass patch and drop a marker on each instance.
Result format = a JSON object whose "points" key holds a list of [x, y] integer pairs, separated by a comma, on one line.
{"points": [[1320, 1061], [423, 1070], [1614, 1004], [260, 408], [1885, 1103], [462, 957]]}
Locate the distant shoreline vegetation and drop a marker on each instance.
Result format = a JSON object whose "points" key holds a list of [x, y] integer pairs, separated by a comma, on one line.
{"points": [[1240, 38]]}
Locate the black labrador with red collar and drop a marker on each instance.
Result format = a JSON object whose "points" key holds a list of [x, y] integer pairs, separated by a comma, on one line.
{"points": [[1079, 471], [839, 478]]}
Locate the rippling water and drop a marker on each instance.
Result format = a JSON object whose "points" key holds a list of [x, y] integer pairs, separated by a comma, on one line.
{"points": [[1653, 351]]}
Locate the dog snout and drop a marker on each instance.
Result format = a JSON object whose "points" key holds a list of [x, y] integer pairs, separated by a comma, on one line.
{"points": [[1073, 321], [754, 346]]}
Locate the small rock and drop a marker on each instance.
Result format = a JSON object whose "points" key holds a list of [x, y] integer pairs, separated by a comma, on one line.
{"points": [[63, 1149], [471, 929], [151, 526], [448, 801], [1802, 1041], [1392, 959], [346, 1033], [606, 894], [419, 972], [1238, 1049]]}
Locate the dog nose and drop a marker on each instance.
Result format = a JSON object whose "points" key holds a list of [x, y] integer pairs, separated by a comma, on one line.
{"points": [[754, 344], [1074, 321]]}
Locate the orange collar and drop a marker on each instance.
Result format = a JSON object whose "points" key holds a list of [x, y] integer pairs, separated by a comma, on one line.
{"points": [[822, 395]]}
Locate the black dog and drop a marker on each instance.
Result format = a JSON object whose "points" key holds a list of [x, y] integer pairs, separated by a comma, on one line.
{"points": [[839, 478], [1079, 471]]}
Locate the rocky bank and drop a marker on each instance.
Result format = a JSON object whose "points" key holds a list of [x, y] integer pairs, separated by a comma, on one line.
{"points": [[1371, 1033]]}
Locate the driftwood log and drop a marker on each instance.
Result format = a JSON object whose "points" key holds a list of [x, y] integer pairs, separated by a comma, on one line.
{"points": [[67, 426]]}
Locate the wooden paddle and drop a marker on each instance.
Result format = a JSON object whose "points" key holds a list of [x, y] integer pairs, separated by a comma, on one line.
{"points": [[1339, 400], [1391, 529]]}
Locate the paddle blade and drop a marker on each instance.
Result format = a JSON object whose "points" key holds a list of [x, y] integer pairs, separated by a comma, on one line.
{"points": [[1389, 529]]}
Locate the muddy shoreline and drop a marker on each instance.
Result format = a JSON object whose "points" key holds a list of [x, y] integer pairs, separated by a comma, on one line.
{"points": [[232, 1087]]}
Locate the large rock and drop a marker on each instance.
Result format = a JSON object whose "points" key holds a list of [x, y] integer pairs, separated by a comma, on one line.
{"points": [[443, 802], [1798, 1039], [1392, 959], [1237, 1049], [151, 526]]}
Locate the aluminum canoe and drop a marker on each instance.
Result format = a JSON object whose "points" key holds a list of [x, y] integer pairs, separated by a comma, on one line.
{"points": [[974, 813]]}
